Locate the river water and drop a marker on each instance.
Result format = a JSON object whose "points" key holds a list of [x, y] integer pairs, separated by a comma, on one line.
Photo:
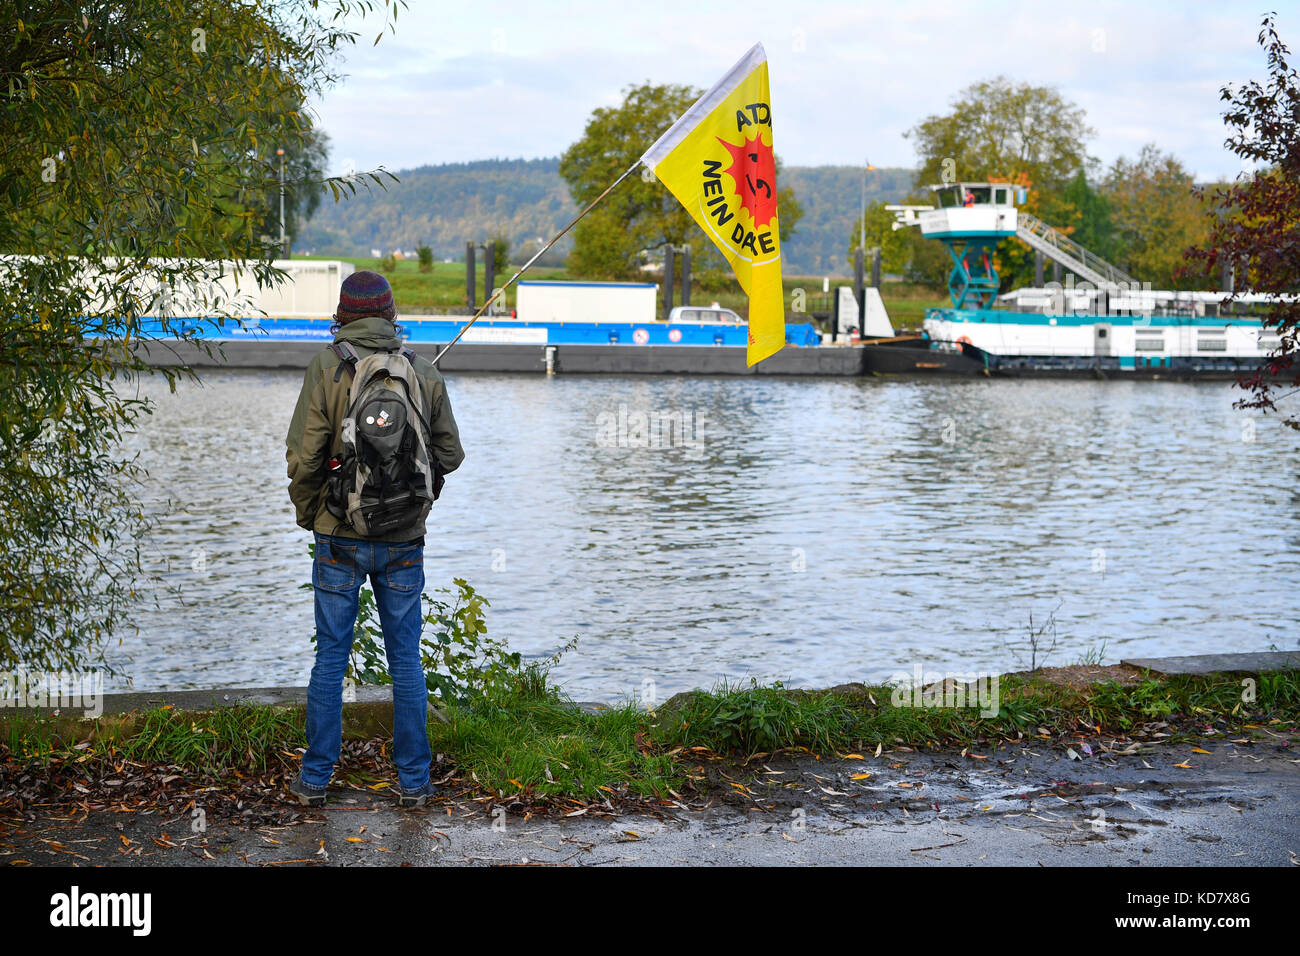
{"points": [[814, 531]]}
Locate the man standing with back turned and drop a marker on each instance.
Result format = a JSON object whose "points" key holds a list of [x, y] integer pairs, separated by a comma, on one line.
{"points": [[378, 532]]}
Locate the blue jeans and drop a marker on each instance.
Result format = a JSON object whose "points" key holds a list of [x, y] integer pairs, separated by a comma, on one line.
{"points": [[396, 573]]}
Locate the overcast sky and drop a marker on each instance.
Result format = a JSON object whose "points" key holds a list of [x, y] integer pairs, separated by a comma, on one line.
{"points": [[477, 80]]}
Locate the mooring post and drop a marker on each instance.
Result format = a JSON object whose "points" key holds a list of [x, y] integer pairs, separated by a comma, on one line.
{"points": [[686, 275], [668, 282], [859, 289], [875, 268], [471, 300], [490, 272]]}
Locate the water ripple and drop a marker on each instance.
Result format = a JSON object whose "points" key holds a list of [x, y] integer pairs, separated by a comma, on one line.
{"points": [[821, 531]]}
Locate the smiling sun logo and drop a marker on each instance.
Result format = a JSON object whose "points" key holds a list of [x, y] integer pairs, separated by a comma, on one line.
{"points": [[753, 167]]}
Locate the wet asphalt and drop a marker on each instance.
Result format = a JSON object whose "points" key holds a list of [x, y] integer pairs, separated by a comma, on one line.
{"points": [[1025, 804]]}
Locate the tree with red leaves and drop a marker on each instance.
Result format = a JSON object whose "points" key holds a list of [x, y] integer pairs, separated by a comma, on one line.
{"points": [[1256, 228]]}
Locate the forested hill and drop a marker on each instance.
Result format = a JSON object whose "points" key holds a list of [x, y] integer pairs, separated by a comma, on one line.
{"points": [[526, 200]]}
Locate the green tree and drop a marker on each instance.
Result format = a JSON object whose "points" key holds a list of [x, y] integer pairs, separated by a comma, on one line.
{"points": [[1156, 215], [500, 254], [1000, 130], [1254, 222], [641, 216], [929, 262], [895, 244], [1091, 226], [134, 163], [997, 129]]}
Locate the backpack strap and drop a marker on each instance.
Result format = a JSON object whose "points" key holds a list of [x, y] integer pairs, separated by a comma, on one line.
{"points": [[408, 353], [348, 359]]}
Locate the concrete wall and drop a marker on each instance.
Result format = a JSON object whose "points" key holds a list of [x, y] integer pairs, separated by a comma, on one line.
{"points": [[312, 287]]}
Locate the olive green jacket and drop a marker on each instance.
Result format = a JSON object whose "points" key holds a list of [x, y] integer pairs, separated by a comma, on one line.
{"points": [[315, 432]]}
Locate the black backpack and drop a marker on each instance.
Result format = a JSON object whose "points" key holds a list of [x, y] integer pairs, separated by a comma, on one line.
{"points": [[384, 479]]}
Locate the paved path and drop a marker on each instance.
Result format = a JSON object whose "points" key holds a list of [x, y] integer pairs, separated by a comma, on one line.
{"points": [[1018, 806], [1218, 663]]}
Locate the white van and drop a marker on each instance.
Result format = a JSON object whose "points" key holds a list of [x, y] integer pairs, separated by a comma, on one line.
{"points": [[704, 315]]}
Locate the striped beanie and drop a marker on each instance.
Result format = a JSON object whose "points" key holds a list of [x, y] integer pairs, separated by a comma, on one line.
{"points": [[365, 293]]}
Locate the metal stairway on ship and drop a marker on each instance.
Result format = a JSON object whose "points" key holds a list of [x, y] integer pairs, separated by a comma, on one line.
{"points": [[1059, 247]]}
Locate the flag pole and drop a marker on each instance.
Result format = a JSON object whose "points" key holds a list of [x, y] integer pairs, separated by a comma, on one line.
{"points": [[524, 268]]}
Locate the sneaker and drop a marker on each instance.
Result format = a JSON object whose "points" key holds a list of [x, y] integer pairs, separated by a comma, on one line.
{"points": [[413, 799], [307, 795]]}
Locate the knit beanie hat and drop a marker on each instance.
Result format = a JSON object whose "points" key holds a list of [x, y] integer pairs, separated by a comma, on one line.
{"points": [[365, 293]]}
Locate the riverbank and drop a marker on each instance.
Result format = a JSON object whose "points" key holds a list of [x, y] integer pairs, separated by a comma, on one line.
{"points": [[1076, 757]]}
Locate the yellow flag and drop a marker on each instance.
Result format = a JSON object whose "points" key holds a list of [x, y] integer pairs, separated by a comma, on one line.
{"points": [[717, 160]]}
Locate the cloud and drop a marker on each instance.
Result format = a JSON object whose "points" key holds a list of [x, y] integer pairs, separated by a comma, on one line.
{"points": [[848, 79]]}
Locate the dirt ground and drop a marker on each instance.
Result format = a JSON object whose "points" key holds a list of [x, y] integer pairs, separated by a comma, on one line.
{"points": [[1080, 676]]}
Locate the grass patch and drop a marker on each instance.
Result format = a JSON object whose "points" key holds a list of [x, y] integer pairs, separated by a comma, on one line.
{"points": [[766, 719], [910, 313], [243, 737], [530, 741], [541, 745], [442, 291], [907, 302]]}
